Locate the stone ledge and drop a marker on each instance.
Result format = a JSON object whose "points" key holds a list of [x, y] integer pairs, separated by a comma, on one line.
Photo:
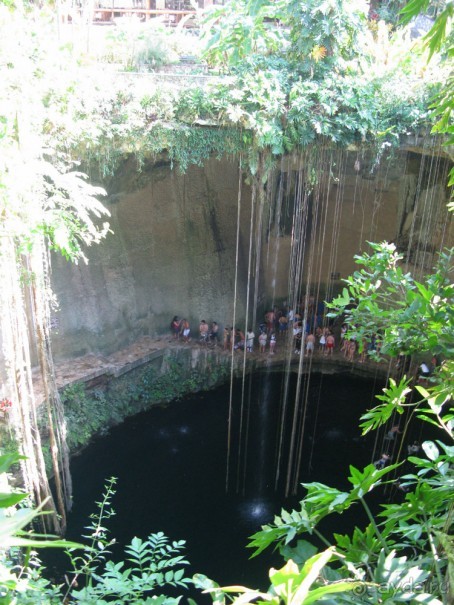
{"points": [[92, 368]]}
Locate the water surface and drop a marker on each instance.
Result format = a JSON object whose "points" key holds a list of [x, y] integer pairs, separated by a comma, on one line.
{"points": [[171, 468]]}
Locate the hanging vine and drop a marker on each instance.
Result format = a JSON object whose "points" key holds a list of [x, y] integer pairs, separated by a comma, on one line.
{"points": [[42, 206]]}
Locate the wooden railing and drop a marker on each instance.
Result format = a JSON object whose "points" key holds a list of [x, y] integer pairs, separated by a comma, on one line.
{"points": [[107, 14]]}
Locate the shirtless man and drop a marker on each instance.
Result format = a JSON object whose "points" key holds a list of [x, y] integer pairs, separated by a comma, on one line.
{"points": [[238, 340], [283, 324], [329, 344], [203, 329], [269, 320], [351, 348], [310, 343]]}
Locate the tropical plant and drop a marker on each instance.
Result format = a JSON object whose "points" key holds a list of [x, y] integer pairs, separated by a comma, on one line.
{"points": [[439, 39], [323, 34], [410, 318], [20, 575], [149, 566], [240, 29], [404, 552], [409, 315], [45, 204], [290, 585]]}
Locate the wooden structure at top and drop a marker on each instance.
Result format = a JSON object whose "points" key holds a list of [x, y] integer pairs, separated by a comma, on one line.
{"points": [[172, 10]]}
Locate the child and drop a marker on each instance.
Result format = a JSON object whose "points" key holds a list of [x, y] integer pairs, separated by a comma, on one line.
{"points": [[226, 339], [262, 341], [272, 343]]}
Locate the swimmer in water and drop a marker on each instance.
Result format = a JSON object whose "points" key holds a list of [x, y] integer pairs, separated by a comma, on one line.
{"points": [[379, 464]]}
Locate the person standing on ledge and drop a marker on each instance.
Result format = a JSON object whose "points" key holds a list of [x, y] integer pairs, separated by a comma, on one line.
{"points": [[310, 344], [269, 320], [330, 342], [214, 332], [185, 330], [262, 341], [175, 327], [249, 340], [227, 338], [203, 329], [272, 343]]}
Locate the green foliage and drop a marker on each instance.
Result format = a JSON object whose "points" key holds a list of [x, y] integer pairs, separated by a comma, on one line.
{"points": [[291, 585], [152, 54], [96, 553], [234, 32], [417, 525], [320, 76], [410, 316], [92, 411], [323, 33], [313, 36], [439, 39], [136, 46], [319, 502], [40, 192], [394, 398], [149, 566], [20, 577], [86, 414], [387, 10], [404, 552]]}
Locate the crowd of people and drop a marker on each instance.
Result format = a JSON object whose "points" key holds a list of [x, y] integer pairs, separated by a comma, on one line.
{"points": [[282, 327]]}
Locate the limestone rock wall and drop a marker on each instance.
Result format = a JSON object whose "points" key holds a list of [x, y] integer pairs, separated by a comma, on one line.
{"points": [[173, 249]]}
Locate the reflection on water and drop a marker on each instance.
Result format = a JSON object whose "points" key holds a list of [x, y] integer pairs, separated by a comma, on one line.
{"points": [[257, 510], [171, 464]]}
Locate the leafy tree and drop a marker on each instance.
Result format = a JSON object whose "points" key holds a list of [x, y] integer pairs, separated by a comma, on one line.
{"points": [[314, 70], [323, 33], [44, 204], [290, 585], [150, 565], [20, 575], [405, 552], [241, 29], [439, 39]]}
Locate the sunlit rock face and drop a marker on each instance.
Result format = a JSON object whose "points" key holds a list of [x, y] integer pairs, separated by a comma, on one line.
{"points": [[175, 248]]}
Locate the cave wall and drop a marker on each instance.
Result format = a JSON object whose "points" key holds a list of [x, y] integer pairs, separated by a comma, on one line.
{"points": [[173, 246], [401, 199], [172, 251]]}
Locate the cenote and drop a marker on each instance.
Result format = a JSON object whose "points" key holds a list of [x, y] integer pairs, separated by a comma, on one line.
{"points": [[171, 468]]}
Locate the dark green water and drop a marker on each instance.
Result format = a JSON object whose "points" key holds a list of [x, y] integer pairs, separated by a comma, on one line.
{"points": [[171, 468]]}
